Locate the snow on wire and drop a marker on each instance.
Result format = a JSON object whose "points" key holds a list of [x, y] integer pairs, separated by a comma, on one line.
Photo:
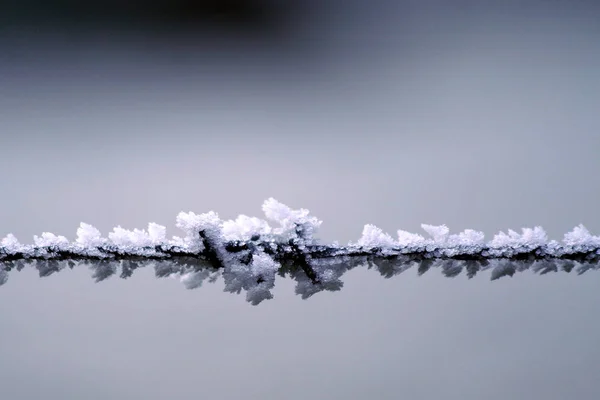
{"points": [[248, 252]]}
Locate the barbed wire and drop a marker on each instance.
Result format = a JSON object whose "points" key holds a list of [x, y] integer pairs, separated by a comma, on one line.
{"points": [[248, 253]]}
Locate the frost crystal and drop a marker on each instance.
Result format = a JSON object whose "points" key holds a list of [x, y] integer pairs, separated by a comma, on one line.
{"points": [[124, 237], [530, 238], [467, 238], [11, 244], [293, 223], [192, 224], [408, 239], [580, 236], [89, 236], [439, 234], [50, 239], [138, 237], [373, 236], [156, 233], [244, 228]]}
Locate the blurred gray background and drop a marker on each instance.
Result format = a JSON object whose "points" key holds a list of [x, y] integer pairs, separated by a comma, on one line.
{"points": [[479, 115]]}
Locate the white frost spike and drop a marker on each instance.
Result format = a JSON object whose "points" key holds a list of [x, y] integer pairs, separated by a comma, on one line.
{"points": [[468, 237], [290, 219], [244, 227], [373, 236], [138, 237], [580, 236], [192, 224], [530, 237], [124, 237], [156, 233], [502, 239], [534, 237], [120, 236], [50, 239], [177, 241], [409, 239], [10, 243], [89, 236], [438, 233]]}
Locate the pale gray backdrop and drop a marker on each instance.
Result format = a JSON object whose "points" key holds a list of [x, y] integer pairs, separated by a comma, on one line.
{"points": [[391, 113]]}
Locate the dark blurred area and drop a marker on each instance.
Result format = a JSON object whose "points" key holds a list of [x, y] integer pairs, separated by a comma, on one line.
{"points": [[56, 35], [350, 43], [235, 16], [271, 20]]}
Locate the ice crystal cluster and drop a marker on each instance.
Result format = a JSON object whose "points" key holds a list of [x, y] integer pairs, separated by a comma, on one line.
{"points": [[248, 253]]}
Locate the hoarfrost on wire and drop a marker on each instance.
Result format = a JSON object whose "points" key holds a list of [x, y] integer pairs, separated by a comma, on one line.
{"points": [[254, 268]]}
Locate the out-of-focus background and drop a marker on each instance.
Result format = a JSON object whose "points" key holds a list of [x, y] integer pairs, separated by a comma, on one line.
{"points": [[479, 115]]}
